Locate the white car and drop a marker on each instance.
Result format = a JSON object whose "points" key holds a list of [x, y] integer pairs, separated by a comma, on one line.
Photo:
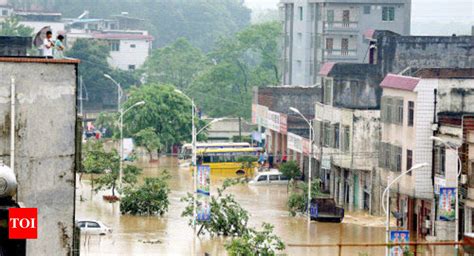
{"points": [[272, 177], [93, 227]]}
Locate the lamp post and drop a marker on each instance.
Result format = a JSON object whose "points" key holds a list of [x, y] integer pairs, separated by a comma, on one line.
{"points": [[119, 91], [122, 113], [310, 158], [387, 207], [455, 148]]}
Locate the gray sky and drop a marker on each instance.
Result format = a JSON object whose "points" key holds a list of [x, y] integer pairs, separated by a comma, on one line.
{"points": [[422, 10]]}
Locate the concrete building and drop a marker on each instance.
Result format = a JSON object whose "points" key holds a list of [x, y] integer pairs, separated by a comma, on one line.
{"points": [[39, 20], [286, 132], [319, 31], [47, 145], [408, 113], [6, 10], [347, 132], [128, 49], [229, 128]]}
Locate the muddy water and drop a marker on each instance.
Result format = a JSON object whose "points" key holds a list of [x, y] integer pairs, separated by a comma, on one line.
{"points": [[170, 234]]}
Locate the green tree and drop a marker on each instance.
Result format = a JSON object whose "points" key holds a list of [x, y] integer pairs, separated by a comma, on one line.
{"points": [[247, 163], [151, 198], [177, 64], [12, 27], [250, 59], [298, 199], [291, 170], [148, 139], [101, 92], [109, 178], [253, 242], [109, 122], [166, 111], [228, 218], [95, 160]]}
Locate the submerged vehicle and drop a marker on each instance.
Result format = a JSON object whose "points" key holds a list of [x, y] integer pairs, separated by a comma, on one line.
{"points": [[272, 177], [185, 153], [230, 161], [324, 209]]}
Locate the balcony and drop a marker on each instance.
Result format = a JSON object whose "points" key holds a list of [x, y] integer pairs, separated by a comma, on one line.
{"points": [[341, 26], [340, 54]]}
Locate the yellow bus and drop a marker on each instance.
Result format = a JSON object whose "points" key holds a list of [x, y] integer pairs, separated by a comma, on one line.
{"points": [[186, 150], [228, 161]]}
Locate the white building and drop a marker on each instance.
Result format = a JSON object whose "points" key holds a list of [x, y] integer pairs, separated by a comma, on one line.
{"points": [[39, 20], [128, 49], [319, 31]]}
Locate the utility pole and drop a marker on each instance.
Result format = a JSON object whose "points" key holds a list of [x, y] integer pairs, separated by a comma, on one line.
{"points": [[240, 129]]}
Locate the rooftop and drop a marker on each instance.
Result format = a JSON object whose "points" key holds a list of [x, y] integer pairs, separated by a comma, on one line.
{"points": [[445, 73], [399, 82], [122, 36], [38, 60]]}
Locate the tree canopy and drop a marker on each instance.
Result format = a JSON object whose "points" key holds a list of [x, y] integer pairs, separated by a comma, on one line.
{"points": [[12, 27], [200, 21]]}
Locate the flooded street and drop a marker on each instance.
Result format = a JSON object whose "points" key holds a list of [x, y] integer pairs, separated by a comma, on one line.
{"points": [[170, 234]]}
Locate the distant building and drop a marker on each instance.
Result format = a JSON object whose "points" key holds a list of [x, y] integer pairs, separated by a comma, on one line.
{"points": [[228, 129], [47, 147], [128, 49], [39, 20], [6, 10], [319, 31]]}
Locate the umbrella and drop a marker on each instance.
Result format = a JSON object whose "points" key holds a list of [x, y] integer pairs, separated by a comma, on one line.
{"points": [[40, 36]]}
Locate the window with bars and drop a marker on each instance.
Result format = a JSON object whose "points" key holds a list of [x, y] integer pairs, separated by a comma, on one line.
{"points": [[388, 13], [329, 45], [440, 160], [391, 110], [327, 134], [409, 160], [336, 136], [346, 138], [345, 18], [344, 46], [390, 157], [411, 113], [367, 9]]}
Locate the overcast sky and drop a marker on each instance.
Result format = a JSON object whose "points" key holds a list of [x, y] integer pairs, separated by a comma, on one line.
{"points": [[422, 10]]}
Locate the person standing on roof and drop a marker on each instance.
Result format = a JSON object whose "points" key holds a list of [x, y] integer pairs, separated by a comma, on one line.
{"points": [[48, 45]]}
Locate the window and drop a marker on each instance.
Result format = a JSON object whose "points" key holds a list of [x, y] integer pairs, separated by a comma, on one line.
{"points": [[440, 160], [409, 160], [133, 46], [344, 46], [336, 135], [367, 9], [388, 13], [329, 45], [388, 110], [399, 109], [411, 113], [397, 158], [345, 18], [82, 224], [131, 67], [114, 46], [330, 17], [93, 225], [273, 177], [262, 178], [347, 138], [327, 134], [300, 10], [327, 91], [4, 12], [283, 177]]}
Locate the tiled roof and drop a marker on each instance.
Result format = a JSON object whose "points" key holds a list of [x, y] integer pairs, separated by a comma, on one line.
{"points": [[326, 68], [406, 83], [119, 36]]}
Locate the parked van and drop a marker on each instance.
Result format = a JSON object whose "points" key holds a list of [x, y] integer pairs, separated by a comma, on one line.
{"points": [[272, 177]]}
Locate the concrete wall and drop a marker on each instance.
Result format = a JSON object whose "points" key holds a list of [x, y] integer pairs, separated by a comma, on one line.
{"points": [[456, 95], [45, 147], [281, 98]]}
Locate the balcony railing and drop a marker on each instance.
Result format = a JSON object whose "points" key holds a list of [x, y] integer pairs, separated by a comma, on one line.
{"points": [[341, 25], [340, 52]]}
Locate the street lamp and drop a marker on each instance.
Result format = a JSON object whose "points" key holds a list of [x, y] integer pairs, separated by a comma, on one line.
{"points": [[119, 91], [387, 193], [310, 157], [455, 148], [122, 112]]}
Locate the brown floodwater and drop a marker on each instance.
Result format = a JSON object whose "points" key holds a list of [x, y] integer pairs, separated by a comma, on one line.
{"points": [[171, 235]]}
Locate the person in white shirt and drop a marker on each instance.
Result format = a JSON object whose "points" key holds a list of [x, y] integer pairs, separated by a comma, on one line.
{"points": [[48, 45]]}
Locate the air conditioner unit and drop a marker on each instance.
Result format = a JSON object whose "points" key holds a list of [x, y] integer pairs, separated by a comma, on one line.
{"points": [[463, 179]]}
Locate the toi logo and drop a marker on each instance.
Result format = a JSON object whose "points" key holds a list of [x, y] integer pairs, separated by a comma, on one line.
{"points": [[22, 223]]}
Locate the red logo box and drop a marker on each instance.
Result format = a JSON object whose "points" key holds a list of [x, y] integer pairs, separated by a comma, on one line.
{"points": [[23, 223]]}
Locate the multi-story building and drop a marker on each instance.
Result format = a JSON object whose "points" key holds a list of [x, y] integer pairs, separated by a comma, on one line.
{"points": [[319, 31], [409, 109], [45, 157], [6, 10]]}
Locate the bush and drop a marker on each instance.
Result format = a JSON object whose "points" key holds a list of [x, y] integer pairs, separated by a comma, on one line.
{"points": [[262, 243], [151, 198]]}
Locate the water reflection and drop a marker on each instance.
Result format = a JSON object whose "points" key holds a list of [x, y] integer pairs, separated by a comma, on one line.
{"points": [[170, 234]]}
